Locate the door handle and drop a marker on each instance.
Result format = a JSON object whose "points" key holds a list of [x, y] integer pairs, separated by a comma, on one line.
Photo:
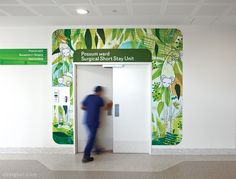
{"points": [[117, 110]]}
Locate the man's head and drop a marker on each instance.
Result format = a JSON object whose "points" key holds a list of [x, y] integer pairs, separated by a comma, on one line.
{"points": [[98, 90]]}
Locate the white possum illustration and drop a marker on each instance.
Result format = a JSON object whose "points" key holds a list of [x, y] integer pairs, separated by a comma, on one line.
{"points": [[167, 75]]}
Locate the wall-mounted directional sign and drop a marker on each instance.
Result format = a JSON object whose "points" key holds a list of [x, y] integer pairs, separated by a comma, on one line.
{"points": [[23, 56]]}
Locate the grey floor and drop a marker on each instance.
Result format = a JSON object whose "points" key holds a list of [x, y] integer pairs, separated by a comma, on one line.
{"points": [[117, 166]]}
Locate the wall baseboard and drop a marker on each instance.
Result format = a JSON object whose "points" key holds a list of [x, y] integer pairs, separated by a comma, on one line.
{"points": [[37, 150], [158, 151], [154, 151]]}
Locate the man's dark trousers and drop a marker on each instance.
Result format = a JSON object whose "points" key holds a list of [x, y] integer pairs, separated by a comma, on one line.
{"points": [[92, 130]]}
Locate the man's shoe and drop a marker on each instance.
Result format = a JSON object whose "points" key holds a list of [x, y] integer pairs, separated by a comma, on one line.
{"points": [[86, 160]]}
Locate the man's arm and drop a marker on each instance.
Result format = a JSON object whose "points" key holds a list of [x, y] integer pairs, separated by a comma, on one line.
{"points": [[108, 105], [83, 107], [84, 104]]}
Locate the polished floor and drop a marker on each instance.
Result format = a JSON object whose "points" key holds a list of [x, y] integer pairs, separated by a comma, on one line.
{"points": [[109, 166]]}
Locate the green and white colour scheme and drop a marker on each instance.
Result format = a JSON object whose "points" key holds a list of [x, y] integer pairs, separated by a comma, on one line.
{"points": [[165, 47]]}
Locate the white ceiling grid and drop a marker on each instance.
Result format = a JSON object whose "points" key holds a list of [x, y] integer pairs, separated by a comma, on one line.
{"points": [[179, 12]]}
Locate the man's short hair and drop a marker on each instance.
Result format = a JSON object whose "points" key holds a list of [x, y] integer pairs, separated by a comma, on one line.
{"points": [[98, 89]]}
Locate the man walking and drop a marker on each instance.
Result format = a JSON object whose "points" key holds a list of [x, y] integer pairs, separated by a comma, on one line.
{"points": [[92, 104]]}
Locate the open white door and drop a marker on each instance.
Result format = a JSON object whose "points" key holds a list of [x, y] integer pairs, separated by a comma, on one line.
{"points": [[132, 109], [87, 78]]}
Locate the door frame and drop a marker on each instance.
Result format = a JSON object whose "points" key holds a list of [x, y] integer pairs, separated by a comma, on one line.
{"points": [[75, 105]]}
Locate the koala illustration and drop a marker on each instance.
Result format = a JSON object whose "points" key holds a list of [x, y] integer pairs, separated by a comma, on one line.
{"points": [[67, 79], [60, 81], [167, 76], [166, 81], [65, 50]]}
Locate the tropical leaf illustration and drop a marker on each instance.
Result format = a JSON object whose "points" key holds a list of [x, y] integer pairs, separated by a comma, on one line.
{"points": [[67, 33], [160, 107], [166, 46], [56, 51], [177, 89], [88, 39], [167, 96], [114, 32], [156, 49], [156, 74], [102, 35], [59, 65]]}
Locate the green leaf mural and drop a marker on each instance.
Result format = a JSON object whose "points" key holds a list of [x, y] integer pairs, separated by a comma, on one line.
{"points": [[177, 89], [59, 65], [67, 33], [166, 46], [140, 33], [156, 74], [160, 107], [88, 39], [167, 97], [157, 33], [156, 49], [102, 35], [96, 40], [114, 31], [56, 51]]}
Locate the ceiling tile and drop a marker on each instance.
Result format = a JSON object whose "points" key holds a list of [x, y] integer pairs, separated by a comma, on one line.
{"points": [[17, 11], [219, 1], [226, 21], [183, 1], [203, 20], [209, 10], [179, 9], [48, 10], [9, 2], [147, 1], [232, 12], [114, 10], [110, 1], [2, 14], [146, 9], [72, 1], [38, 1], [72, 10], [170, 20]]}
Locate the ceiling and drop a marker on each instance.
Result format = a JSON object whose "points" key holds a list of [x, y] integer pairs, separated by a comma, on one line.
{"points": [[116, 12]]}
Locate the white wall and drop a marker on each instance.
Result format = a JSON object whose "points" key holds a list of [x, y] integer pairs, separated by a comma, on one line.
{"points": [[25, 93], [209, 90]]}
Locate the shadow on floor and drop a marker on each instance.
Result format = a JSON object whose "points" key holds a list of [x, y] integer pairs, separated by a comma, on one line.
{"points": [[33, 169]]}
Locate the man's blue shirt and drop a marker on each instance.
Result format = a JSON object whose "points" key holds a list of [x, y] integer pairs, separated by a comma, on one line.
{"points": [[92, 104]]}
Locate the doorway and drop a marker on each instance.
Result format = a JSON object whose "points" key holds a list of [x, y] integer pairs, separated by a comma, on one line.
{"points": [[127, 128], [89, 76]]}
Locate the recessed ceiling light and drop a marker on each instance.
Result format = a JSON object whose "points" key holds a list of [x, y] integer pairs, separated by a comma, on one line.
{"points": [[82, 11]]}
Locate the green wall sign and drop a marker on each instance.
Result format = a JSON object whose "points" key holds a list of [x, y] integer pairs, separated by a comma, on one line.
{"points": [[112, 55], [23, 56]]}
